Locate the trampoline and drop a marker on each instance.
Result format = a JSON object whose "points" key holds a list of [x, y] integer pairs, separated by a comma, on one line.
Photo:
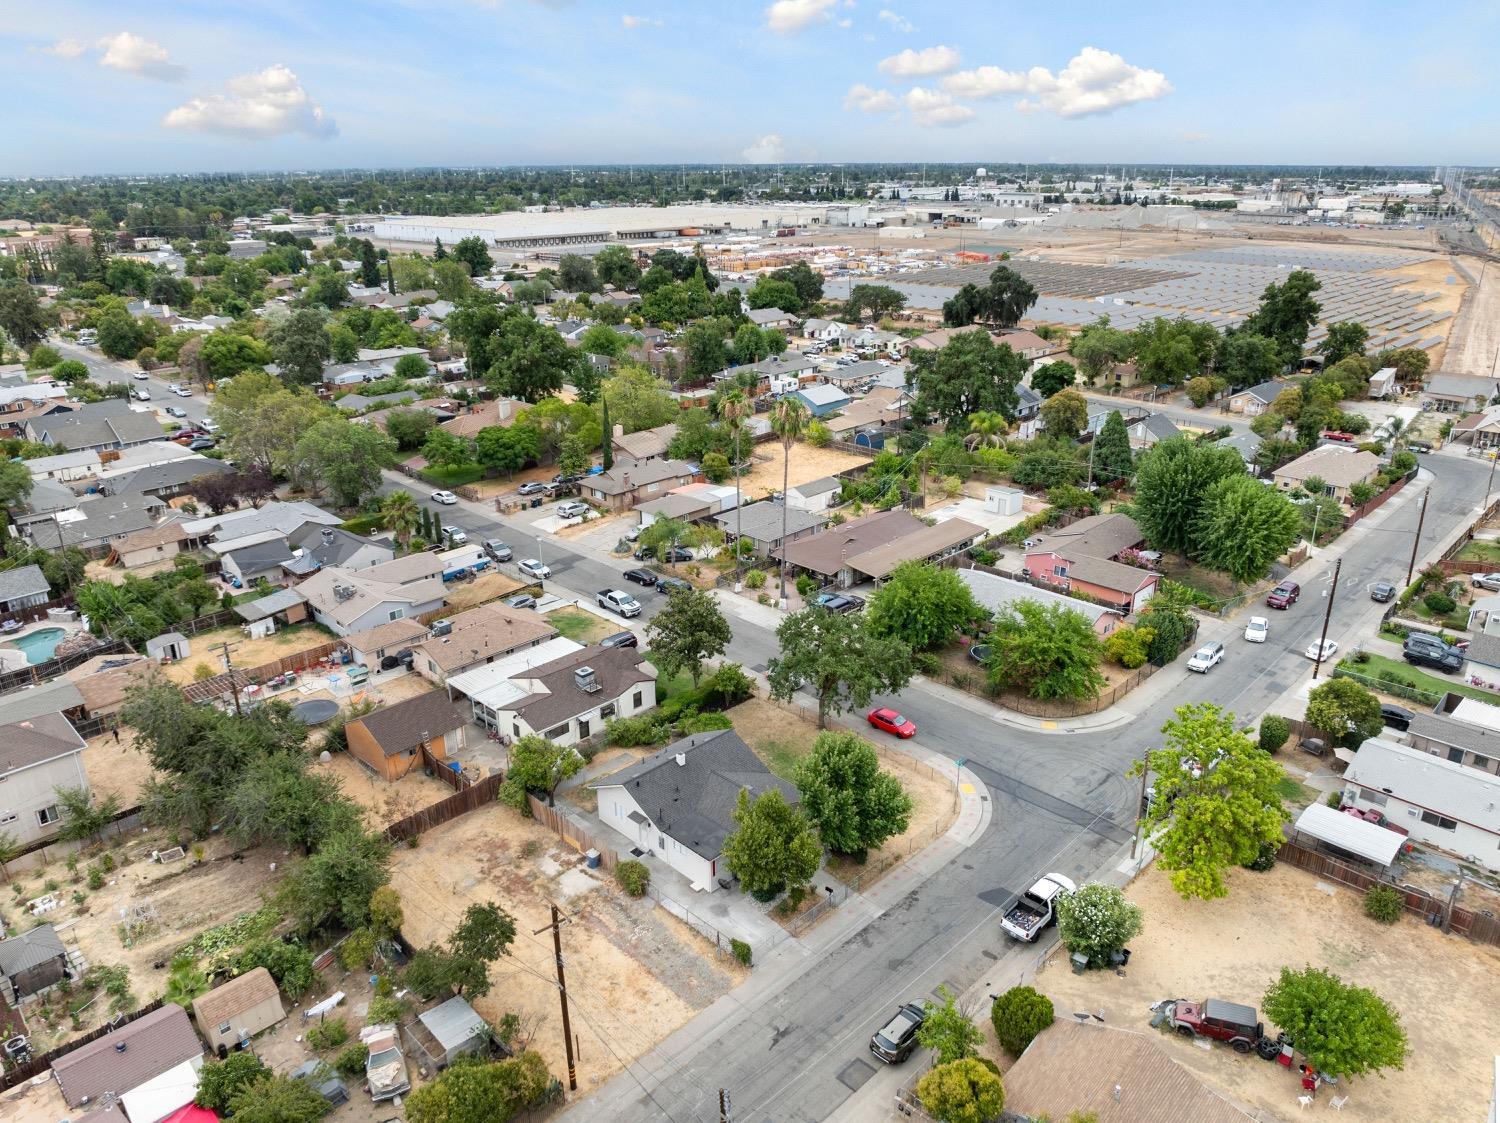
{"points": [[315, 712]]}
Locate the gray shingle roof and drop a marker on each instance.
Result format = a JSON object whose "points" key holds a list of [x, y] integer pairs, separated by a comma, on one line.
{"points": [[762, 521], [153, 1044], [32, 740], [1455, 733], [29, 949], [22, 581], [1265, 391], [99, 425], [160, 477], [694, 801], [616, 669], [1484, 648], [400, 727]]}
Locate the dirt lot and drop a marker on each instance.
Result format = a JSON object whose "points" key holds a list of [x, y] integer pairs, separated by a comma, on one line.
{"points": [[247, 652], [1431, 276], [1444, 987], [481, 590], [634, 973], [382, 801], [808, 464], [1476, 333]]}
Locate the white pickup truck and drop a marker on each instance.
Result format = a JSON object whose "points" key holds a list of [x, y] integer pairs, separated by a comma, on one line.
{"points": [[1036, 908], [618, 600]]}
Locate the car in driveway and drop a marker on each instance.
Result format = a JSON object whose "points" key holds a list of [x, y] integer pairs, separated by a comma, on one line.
{"points": [[896, 1040], [641, 577], [841, 604], [174, 411], [201, 444], [1382, 591], [573, 510], [533, 488], [1321, 650], [677, 554], [521, 600], [1284, 595], [892, 721], [533, 567], [1396, 717], [1423, 650], [496, 549], [1490, 581], [1257, 629], [1207, 657], [671, 584], [446, 498], [620, 639]]}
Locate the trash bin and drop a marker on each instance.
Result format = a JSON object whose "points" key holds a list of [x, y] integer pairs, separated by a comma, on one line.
{"points": [[1080, 962], [536, 502], [591, 857]]}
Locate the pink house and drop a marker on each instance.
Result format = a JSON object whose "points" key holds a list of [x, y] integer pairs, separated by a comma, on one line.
{"points": [[1080, 560]]}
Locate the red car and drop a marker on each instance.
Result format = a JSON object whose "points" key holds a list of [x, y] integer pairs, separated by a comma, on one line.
{"points": [[1335, 435], [891, 721]]}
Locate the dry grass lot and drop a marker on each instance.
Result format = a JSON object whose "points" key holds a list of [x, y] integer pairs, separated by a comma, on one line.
{"points": [[808, 464], [469, 594], [246, 652], [1445, 988]]}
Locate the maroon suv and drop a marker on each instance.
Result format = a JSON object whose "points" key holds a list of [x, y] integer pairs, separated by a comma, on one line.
{"points": [[1223, 1021], [1284, 595]]}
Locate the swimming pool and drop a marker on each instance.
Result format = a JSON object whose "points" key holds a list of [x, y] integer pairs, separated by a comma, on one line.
{"points": [[40, 644]]}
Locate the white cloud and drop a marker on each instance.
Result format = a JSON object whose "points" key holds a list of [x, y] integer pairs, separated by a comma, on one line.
{"points": [[769, 149], [1191, 136], [920, 64], [935, 108], [630, 23], [269, 103], [129, 52], [897, 21], [65, 48], [846, 24], [863, 98], [788, 16], [1094, 81]]}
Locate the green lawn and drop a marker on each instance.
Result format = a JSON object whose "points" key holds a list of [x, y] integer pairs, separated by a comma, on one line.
{"points": [[1433, 684], [781, 757], [1294, 792], [582, 627], [451, 477], [1481, 552]]}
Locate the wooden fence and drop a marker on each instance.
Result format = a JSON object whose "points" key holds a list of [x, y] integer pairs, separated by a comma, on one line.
{"points": [[17, 1074], [1374, 504], [459, 803], [221, 684], [570, 832]]}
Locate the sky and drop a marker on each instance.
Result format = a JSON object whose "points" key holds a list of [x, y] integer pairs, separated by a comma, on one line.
{"points": [[243, 85]]}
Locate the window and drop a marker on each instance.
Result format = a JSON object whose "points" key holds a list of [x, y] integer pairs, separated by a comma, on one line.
{"points": [[515, 728], [1370, 795], [1481, 762], [556, 731], [225, 1028], [1060, 570], [583, 728], [1435, 820], [1456, 756], [636, 700], [7, 816], [397, 613], [47, 815], [606, 710]]}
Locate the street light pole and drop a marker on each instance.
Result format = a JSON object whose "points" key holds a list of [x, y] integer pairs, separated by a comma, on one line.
{"points": [[1327, 612]]}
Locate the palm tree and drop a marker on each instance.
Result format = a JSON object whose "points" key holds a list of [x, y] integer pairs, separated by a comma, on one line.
{"points": [[788, 418], [401, 513], [733, 409], [986, 428]]}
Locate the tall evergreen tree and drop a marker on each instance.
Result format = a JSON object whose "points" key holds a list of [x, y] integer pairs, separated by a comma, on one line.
{"points": [[369, 265], [438, 253], [609, 453], [1113, 459]]}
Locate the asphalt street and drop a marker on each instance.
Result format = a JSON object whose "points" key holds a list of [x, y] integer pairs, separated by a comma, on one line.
{"points": [[102, 370]]}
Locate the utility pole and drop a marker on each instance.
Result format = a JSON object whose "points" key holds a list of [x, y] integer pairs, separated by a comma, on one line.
{"points": [[1415, 542], [1327, 612], [562, 992], [225, 649], [723, 1106], [1494, 459], [1141, 811]]}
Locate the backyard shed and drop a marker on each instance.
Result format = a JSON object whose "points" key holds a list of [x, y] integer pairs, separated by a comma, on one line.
{"points": [[169, 647], [1003, 500], [31, 962], [239, 1009], [449, 1031]]}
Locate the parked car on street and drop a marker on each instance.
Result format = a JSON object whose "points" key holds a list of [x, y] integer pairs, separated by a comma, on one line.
{"points": [[1321, 650], [641, 577], [497, 550], [201, 444], [1036, 908], [671, 584], [618, 600], [1206, 658], [1284, 595], [1382, 591], [140, 376], [446, 498], [1257, 629], [183, 392], [174, 411], [455, 535], [892, 721], [533, 488], [895, 1040], [533, 567]]}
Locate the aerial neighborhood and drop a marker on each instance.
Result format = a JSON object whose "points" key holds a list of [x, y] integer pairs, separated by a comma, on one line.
{"points": [[807, 641]]}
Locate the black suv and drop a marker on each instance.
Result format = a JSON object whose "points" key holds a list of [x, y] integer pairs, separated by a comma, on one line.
{"points": [[1423, 650], [898, 1037]]}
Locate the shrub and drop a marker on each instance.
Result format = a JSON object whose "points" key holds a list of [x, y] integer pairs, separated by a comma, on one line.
{"points": [[644, 729], [351, 1062], [1019, 1015], [1273, 733], [983, 556], [1129, 647], [356, 952], [1384, 903], [329, 1034], [1439, 604], [1097, 921], [1334, 799], [202, 672], [385, 1009], [806, 586], [741, 951], [96, 878], [755, 579], [633, 877], [1265, 859]]}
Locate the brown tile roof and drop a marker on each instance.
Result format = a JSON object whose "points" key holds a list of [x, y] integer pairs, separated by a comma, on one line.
{"points": [[104, 681], [917, 546], [1098, 536], [151, 537], [500, 411], [483, 632], [646, 443], [863, 414], [224, 1003], [153, 1044], [830, 550], [1115, 576], [616, 668], [400, 727]]}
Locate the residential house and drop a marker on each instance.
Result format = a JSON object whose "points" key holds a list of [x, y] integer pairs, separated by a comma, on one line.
{"points": [[346, 601], [1468, 734], [1255, 400], [315, 546], [390, 741], [475, 638], [684, 504], [164, 480], [128, 1057], [23, 587], [824, 331], [358, 403], [870, 415], [1147, 431], [647, 444], [1458, 393], [774, 374], [110, 424], [391, 354], [374, 644], [1439, 803], [1081, 558], [870, 339], [563, 695], [1028, 412], [1482, 661], [484, 415], [1481, 429], [15, 419], [38, 755], [235, 529], [1030, 346], [152, 454], [940, 338], [761, 524], [815, 495], [236, 1011], [1383, 383], [93, 523], [869, 547], [821, 399], [678, 804], [65, 467], [853, 378], [149, 546], [31, 962], [1248, 446], [1484, 614], [627, 484], [998, 593], [772, 318], [1338, 466]]}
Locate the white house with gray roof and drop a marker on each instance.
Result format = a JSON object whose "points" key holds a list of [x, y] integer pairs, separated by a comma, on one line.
{"points": [[761, 524], [110, 424], [38, 755], [998, 593], [22, 587]]}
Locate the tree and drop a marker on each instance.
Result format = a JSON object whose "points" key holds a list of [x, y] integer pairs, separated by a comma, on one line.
{"points": [[505, 449], [802, 278], [1244, 526], [1340, 1029], [221, 1081], [120, 335], [409, 428], [924, 606], [838, 657], [438, 252], [280, 802], [336, 881], [963, 1091], [1049, 379], [703, 350], [616, 266], [987, 429], [483, 935], [1008, 297], [300, 345], [854, 805], [1204, 388], [443, 449], [538, 765], [1172, 481], [690, 629], [1099, 347], [1345, 711], [772, 845], [471, 1091], [326, 289], [734, 410], [10, 850], [964, 307], [278, 1099], [1169, 352], [601, 339], [873, 302], [1347, 337], [1113, 456], [399, 511], [226, 354], [369, 265], [1097, 921], [1248, 359], [70, 371], [788, 419], [473, 253], [16, 482], [451, 279], [637, 400], [1215, 802], [575, 273], [410, 272], [1018, 1016], [1286, 314], [527, 359], [767, 292], [970, 373], [948, 1031], [1066, 414], [1410, 362], [346, 456], [1045, 651], [408, 368], [21, 314], [263, 421], [84, 818]]}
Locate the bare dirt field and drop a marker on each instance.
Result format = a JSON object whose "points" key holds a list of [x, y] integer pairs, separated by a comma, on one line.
{"points": [[808, 464], [634, 972], [116, 768], [383, 801], [1474, 343], [1444, 987], [1431, 276], [481, 590], [246, 652]]}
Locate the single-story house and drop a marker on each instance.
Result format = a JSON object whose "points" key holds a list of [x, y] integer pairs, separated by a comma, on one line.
{"points": [[1081, 558], [104, 681], [257, 561], [821, 399], [1383, 383], [315, 547], [23, 587], [627, 484], [1454, 737], [146, 547], [235, 528], [1449, 806], [678, 804], [1481, 429], [30, 962], [851, 377], [110, 424], [1458, 393], [647, 444], [1339, 468], [239, 1009], [825, 331], [1147, 431], [1029, 345], [997, 593], [358, 403], [374, 644], [684, 504], [484, 415], [874, 544], [449, 1030], [38, 755], [873, 339], [1255, 400], [1482, 661], [866, 415], [939, 338], [166, 480], [93, 523], [760, 523], [388, 741], [566, 699], [346, 601], [815, 495], [129, 1057], [65, 466], [772, 318], [1248, 446], [478, 636]]}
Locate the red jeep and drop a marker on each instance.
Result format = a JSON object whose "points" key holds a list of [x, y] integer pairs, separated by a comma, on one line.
{"points": [[1220, 1020]]}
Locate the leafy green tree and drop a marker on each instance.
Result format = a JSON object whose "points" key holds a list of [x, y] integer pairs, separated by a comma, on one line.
{"points": [[226, 354], [70, 371], [923, 605], [1203, 389], [300, 344], [1410, 362], [873, 302], [638, 400], [43, 357], [505, 449], [703, 349], [278, 801], [527, 359], [1008, 298], [473, 253], [1287, 313], [601, 339], [409, 428], [369, 265], [1345, 711], [1049, 461], [948, 1031], [1018, 1016], [346, 456], [474, 1091], [1244, 526], [220, 1081], [278, 1099], [854, 805], [16, 482], [443, 449], [969, 374], [1215, 800], [1045, 651], [462, 967], [326, 289], [22, 316], [962, 1091], [767, 292], [1347, 337], [616, 266], [1049, 379], [411, 368], [575, 273], [336, 881], [291, 965], [1169, 352], [689, 630], [772, 845], [838, 657], [1098, 348], [1065, 414], [1246, 358], [538, 765], [1172, 481], [1097, 921], [83, 816], [1341, 1029], [343, 343], [120, 335], [1113, 457], [807, 282]]}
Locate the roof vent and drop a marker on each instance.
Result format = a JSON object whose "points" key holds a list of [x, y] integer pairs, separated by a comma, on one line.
{"points": [[328, 534], [120, 1046], [586, 681], [681, 760]]}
